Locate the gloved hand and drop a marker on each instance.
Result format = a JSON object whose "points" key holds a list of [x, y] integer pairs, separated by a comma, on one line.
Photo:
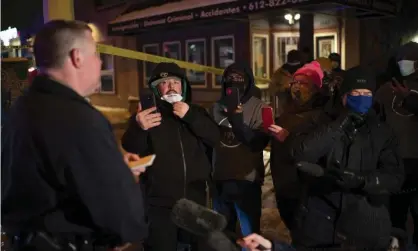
{"points": [[346, 179], [350, 121]]}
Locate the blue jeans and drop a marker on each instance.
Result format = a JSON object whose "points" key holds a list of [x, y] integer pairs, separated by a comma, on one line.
{"points": [[239, 201], [282, 246]]}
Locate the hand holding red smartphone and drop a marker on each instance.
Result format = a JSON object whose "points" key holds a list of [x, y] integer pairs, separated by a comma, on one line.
{"points": [[268, 124]]}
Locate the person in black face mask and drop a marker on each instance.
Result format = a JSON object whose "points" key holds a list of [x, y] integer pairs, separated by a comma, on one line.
{"points": [[238, 160]]}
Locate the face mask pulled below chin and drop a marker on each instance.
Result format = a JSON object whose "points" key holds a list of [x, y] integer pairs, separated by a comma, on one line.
{"points": [[407, 67], [172, 98], [359, 104]]}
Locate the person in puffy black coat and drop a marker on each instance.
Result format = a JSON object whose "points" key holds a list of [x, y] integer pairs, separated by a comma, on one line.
{"points": [[362, 166], [345, 205], [180, 134]]}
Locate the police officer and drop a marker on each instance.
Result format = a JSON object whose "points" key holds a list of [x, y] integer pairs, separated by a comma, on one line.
{"points": [[64, 181]]}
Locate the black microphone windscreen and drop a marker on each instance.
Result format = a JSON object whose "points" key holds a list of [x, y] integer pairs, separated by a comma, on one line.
{"points": [[197, 219], [311, 169]]}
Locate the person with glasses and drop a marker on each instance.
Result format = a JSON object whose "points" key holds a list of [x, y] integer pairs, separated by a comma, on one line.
{"points": [[356, 167], [305, 103]]}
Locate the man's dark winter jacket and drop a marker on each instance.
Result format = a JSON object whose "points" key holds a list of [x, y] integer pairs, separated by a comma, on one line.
{"points": [[62, 170], [373, 153], [182, 165]]}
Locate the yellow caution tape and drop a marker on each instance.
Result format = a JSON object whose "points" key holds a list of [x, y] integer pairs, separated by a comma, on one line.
{"points": [[115, 51], [11, 47], [107, 49]]}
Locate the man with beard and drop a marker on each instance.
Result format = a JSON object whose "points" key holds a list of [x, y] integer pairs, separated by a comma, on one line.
{"points": [[305, 104], [400, 101], [343, 204], [180, 134], [238, 161]]}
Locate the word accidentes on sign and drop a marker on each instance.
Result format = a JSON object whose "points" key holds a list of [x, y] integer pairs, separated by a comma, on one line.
{"points": [[202, 13]]}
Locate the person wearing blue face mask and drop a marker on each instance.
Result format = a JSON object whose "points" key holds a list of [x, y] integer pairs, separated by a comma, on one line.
{"points": [[344, 205]]}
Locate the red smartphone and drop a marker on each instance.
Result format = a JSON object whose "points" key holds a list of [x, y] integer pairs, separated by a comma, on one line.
{"points": [[267, 116]]}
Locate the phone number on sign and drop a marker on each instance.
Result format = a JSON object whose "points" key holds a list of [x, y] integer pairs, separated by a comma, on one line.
{"points": [[264, 4]]}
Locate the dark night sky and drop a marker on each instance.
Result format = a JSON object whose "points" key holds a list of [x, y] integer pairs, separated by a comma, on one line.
{"points": [[25, 15]]}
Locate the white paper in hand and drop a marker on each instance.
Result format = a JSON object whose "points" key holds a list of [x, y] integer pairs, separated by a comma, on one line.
{"points": [[143, 162]]}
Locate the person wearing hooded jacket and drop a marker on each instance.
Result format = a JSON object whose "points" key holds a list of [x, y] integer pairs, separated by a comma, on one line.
{"points": [[179, 133], [399, 98], [238, 160], [344, 204]]}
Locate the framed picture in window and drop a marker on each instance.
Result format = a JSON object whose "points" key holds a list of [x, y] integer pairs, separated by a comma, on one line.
{"points": [[325, 44], [223, 54], [284, 42], [196, 53], [153, 49], [172, 50], [107, 85], [260, 57]]}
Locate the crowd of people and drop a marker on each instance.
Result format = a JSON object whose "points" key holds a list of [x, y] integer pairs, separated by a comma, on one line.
{"points": [[344, 160]]}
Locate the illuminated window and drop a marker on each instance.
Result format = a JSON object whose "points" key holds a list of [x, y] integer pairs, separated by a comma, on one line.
{"points": [[223, 54], [172, 50], [283, 43], [107, 85], [196, 53], [148, 66], [260, 44]]}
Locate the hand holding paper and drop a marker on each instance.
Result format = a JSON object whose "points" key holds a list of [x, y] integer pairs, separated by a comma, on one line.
{"points": [[138, 165]]}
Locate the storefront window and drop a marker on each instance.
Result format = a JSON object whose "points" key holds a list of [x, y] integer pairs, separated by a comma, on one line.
{"points": [[172, 50], [260, 56], [148, 66], [196, 53], [223, 54], [107, 85], [283, 43]]}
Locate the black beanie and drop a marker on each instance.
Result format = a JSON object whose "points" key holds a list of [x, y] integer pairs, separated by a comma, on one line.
{"points": [[335, 57], [358, 78], [164, 70], [408, 51]]}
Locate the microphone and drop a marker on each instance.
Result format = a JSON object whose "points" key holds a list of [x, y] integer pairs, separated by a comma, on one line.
{"points": [[203, 221], [311, 169], [197, 219]]}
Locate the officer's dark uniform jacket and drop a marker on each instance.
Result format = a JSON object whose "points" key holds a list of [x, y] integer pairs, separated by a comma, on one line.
{"points": [[62, 171], [373, 152], [182, 165]]}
